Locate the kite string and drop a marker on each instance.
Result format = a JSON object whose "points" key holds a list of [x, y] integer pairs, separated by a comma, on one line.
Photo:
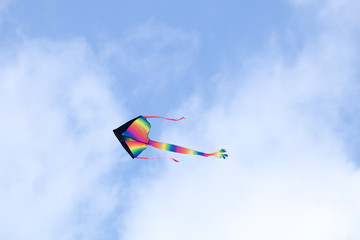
{"points": [[171, 119], [157, 158]]}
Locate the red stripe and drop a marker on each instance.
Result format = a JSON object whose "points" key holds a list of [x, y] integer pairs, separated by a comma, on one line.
{"points": [[171, 119], [158, 158]]}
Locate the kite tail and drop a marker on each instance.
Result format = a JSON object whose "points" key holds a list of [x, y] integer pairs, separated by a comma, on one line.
{"points": [[178, 149], [171, 119]]}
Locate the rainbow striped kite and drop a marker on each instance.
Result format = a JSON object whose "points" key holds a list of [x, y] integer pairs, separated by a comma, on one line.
{"points": [[133, 136]]}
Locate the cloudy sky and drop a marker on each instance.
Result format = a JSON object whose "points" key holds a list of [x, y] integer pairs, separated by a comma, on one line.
{"points": [[276, 83]]}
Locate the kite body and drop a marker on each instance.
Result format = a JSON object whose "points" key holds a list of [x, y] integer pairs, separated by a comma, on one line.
{"points": [[133, 136]]}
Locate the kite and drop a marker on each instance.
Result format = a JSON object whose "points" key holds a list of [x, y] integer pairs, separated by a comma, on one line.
{"points": [[133, 136]]}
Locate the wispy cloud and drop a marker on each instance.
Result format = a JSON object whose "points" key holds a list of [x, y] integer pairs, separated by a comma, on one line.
{"points": [[289, 174], [56, 145], [59, 103]]}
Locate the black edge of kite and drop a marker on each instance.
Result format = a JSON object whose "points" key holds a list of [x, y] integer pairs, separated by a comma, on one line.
{"points": [[118, 131]]}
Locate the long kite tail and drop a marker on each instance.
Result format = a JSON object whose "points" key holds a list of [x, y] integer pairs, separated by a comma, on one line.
{"points": [[173, 148], [171, 119]]}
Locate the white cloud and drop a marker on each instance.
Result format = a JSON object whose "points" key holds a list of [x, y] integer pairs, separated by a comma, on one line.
{"points": [[288, 175], [56, 144], [57, 162]]}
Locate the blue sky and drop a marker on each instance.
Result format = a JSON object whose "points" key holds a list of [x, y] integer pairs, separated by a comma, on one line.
{"points": [[216, 33], [276, 83]]}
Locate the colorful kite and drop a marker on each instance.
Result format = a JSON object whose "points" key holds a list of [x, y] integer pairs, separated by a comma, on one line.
{"points": [[133, 136]]}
